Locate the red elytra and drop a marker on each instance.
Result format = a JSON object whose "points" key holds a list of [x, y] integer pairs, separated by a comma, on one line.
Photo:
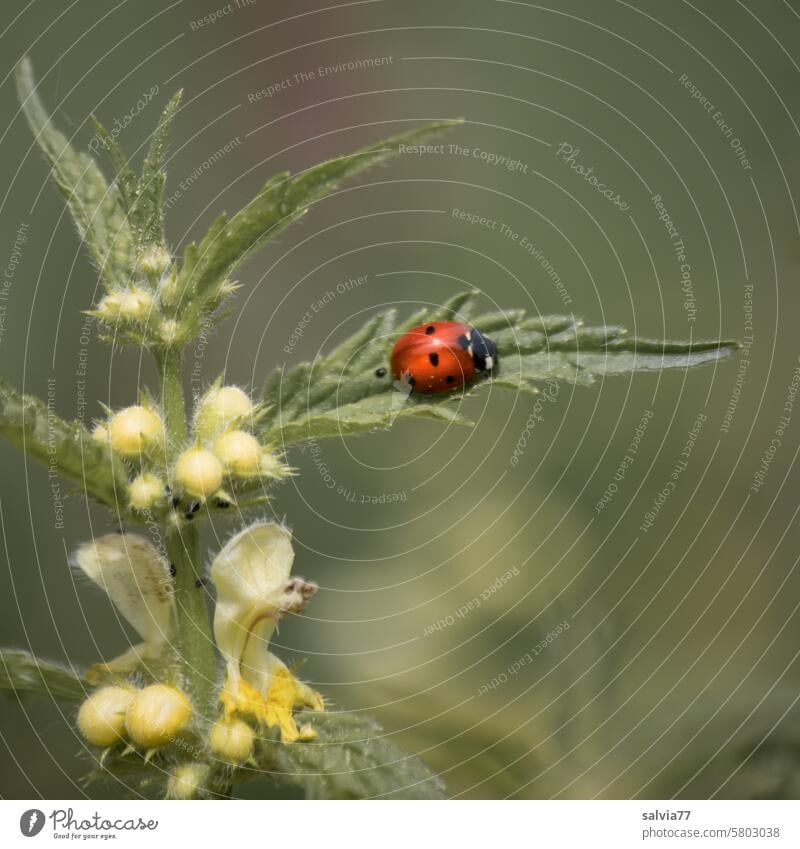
{"points": [[441, 355]]}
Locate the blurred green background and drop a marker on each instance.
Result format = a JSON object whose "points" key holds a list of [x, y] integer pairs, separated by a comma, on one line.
{"points": [[678, 674]]}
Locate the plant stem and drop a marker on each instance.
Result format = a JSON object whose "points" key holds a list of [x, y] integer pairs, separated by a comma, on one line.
{"points": [[195, 641]]}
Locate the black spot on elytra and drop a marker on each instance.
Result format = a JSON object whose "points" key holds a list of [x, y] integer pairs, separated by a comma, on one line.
{"points": [[434, 358], [411, 381], [430, 330], [450, 378]]}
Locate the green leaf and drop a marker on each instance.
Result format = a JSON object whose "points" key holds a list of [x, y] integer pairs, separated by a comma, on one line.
{"points": [[126, 182], [340, 394], [22, 672], [149, 211], [67, 447], [351, 758], [96, 209], [282, 200]]}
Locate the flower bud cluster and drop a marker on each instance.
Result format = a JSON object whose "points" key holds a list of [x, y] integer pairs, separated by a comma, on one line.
{"points": [[160, 307], [149, 718], [225, 457]]}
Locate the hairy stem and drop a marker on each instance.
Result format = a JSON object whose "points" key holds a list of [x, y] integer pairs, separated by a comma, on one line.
{"points": [[195, 640], [194, 631]]}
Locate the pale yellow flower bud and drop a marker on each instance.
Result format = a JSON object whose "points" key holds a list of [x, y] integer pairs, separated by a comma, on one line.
{"points": [[169, 330], [133, 304], [231, 740], [157, 715], [198, 472], [155, 261], [100, 433], [219, 409], [101, 718], [136, 304], [145, 491], [135, 430], [239, 452], [187, 781]]}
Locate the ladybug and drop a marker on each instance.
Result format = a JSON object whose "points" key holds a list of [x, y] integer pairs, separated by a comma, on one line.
{"points": [[442, 355]]}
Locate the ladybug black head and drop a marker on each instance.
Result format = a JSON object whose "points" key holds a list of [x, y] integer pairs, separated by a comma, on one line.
{"points": [[481, 348]]}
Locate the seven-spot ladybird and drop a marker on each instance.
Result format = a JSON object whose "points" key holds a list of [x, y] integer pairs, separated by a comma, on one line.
{"points": [[442, 355]]}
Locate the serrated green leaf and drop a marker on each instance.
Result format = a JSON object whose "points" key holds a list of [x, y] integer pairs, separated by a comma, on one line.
{"points": [[96, 209], [282, 199], [126, 182], [377, 412], [21, 672], [67, 447], [149, 212], [351, 758], [340, 394]]}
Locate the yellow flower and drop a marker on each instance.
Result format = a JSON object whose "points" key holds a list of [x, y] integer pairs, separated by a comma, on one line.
{"points": [[137, 580], [220, 408], [101, 718], [187, 781], [232, 740], [239, 453], [134, 431], [198, 472], [254, 589], [157, 715], [145, 491]]}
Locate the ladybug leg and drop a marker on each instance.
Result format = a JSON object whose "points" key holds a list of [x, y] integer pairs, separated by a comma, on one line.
{"points": [[405, 384]]}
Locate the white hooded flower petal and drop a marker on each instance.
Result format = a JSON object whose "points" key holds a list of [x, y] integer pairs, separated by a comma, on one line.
{"points": [[254, 589], [251, 574], [137, 579]]}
